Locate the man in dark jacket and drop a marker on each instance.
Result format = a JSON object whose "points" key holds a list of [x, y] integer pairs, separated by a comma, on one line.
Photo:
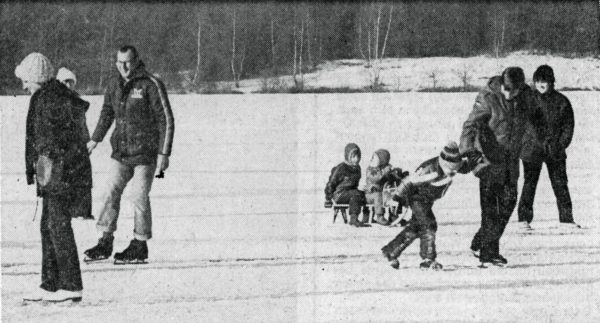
{"points": [[493, 132], [546, 143], [137, 102]]}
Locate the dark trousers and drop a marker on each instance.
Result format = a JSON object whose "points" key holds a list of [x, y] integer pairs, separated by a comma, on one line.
{"points": [[422, 225], [557, 169], [497, 204], [60, 263], [355, 199]]}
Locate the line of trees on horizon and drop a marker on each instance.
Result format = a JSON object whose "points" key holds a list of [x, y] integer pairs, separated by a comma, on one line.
{"points": [[189, 44]]}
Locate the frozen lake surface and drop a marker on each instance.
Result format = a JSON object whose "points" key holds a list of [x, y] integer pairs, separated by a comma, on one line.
{"points": [[240, 232]]}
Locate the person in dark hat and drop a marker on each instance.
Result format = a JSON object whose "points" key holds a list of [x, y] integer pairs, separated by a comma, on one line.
{"points": [[419, 191], [492, 135], [547, 144]]}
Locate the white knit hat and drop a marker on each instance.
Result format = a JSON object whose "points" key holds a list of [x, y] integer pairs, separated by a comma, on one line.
{"points": [[65, 74], [35, 68]]}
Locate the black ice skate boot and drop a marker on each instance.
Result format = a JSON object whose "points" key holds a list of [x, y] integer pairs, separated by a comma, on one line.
{"points": [[101, 251], [136, 253], [388, 255], [431, 264], [497, 260]]}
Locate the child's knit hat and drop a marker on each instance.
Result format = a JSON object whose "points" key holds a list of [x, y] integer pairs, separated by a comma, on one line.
{"points": [[350, 149], [65, 74], [384, 157], [35, 68], [450, 156]]}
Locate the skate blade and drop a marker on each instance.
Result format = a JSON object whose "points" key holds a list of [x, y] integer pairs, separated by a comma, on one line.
{"points": [[131, 262], [93, 260], [485, 265]]}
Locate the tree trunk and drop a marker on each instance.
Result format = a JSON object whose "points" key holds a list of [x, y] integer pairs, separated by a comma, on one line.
{"points": [[198, 37], [377, 32], [308, 51], [301, 50], [295, 54], [387, 32], [102, 50], [272, 42], [233, 51]]}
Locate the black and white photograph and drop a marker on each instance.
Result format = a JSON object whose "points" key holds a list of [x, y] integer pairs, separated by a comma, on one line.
{"points": [[300, 161]]}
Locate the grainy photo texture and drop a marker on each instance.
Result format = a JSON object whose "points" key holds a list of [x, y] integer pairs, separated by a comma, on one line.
{"points": [[405, 161]]}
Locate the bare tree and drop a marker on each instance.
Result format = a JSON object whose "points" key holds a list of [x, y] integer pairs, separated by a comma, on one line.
{"points": [[387, 32], [272, 41], [233, 49], [499, 35], [198, 53]]}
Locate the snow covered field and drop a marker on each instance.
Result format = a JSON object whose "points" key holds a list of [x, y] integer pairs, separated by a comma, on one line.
{"points": [[240, 233], [413, 74]]}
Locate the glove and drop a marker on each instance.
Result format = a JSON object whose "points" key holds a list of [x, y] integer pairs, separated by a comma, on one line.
{"points": [[474, 157], [328, 204]]}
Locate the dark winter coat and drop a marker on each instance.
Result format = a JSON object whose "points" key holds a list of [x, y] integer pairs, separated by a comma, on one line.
{"points": [[144, 123], [550, 138], [54, 129], [497, 126], [343, 177], [428, 183]]}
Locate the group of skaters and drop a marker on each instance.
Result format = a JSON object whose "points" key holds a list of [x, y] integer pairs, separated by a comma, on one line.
{"points": [[57, 149], [510, 121]]}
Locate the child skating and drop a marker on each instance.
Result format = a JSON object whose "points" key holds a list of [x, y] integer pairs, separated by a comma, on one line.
{"points": [[419, 191]]}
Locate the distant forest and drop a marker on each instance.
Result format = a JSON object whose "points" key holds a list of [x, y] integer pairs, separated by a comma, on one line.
{"points": [[189, 44]]}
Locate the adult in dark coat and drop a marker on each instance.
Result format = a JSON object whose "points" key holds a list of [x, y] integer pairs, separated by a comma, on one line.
{"points": [[493, 133], [546, 143], [56, 156]]}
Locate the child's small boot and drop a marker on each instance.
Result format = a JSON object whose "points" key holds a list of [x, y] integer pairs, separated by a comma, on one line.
{"points": [[354, 222], [381, 220]]}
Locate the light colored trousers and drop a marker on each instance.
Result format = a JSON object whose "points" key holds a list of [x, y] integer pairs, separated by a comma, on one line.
{"points": [[376, 198], [140, 178]]}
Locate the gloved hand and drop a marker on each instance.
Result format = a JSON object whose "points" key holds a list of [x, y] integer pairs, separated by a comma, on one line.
{"points": [[474, 157], [328, 204]]}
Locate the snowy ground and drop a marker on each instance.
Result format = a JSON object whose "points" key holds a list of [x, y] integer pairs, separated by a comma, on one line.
{"points": [[413, 74], [240, 233]]}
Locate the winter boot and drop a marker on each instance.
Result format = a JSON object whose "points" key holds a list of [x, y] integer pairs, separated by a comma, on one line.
{"points": [[431, 264], [381, 220], [101, 251], [135, 253], [354, 222]]}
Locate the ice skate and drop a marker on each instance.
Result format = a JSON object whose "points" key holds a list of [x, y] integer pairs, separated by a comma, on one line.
{"points": [[431, 264], [525, 226], [63, 295], [101, 251], [135, 254], [393, 261], [569, 226], [497, 260], [36, 295]]}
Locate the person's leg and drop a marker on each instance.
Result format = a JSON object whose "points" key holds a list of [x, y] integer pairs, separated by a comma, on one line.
{"points": [[508, 201], [65, 248], [557, 169], [532, 176], [140, 185], [427, 229], [490, 211], [377, 199], [50, 274], [404, 239], [118, 176]]}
